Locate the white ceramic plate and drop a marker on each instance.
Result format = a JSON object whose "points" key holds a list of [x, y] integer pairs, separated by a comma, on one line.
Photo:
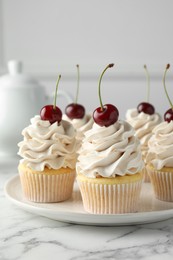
{"points": [[150, 209]]}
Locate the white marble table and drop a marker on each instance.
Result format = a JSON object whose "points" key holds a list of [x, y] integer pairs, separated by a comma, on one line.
{"points": [[28, 237]]}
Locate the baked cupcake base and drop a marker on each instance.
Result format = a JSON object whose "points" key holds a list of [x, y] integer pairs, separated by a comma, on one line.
{"points": [[46, 186], [162, 182], [110, 195]]}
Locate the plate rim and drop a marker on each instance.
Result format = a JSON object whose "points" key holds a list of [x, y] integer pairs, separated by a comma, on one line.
{"points": [[110, 217]]}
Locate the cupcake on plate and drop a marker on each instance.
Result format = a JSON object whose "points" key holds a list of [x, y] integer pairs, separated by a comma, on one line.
{"points": [[160, 155], [75, 114], [47, 170], [160, 161], [143, 125], [143, 119], [109, 164]]}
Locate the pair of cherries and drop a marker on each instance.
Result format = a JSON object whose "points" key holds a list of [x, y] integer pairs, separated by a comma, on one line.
{"points": [[53, 114], [105, 115], [147, 108]]}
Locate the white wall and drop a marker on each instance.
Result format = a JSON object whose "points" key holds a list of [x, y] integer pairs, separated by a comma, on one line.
{"points": [[51, 37]]}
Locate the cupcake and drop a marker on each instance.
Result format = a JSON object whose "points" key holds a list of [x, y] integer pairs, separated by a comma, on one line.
{"points": [[47, 170], [160, 161], [144, 119], [143, 125], [109, 164], [160, 155], [48, 151], [75, 114]]}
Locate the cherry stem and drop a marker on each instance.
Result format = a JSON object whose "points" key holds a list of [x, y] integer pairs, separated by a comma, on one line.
{"points": [[57, 83], [164, 76], [100, 79], [78, 78], [148, 82]]}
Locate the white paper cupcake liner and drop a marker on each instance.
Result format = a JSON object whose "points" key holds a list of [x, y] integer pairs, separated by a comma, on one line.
{"points": [[110, 198], [162, 183], [47, 188], [146, 177]]}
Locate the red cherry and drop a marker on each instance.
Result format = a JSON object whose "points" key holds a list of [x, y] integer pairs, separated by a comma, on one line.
{"points": [[74, 110], [106, 117], [168, 116], [51, 114], [146, 108], [108, 114]]}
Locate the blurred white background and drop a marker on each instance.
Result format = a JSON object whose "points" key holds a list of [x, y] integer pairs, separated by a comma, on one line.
{"points": [[51, 37]]}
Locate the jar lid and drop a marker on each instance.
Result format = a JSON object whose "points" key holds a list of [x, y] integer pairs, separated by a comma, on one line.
{"points": [[16, 77]]}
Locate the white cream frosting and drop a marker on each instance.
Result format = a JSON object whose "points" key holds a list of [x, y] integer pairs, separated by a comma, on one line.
{"points": [[81, 125], [143, 125], [160, 145], [110, 151], [46, 145]]}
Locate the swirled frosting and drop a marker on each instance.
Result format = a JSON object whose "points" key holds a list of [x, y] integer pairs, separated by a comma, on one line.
{"points": [[160, 145], [81, 125], [143, 125], [110, 151], [46, 145]]}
